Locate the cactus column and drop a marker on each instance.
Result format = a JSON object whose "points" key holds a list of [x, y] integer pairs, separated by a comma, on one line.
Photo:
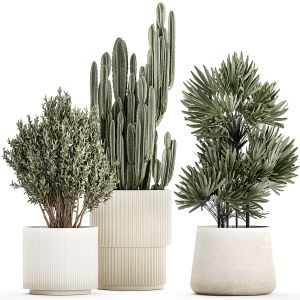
{"points": [[129, 124]]}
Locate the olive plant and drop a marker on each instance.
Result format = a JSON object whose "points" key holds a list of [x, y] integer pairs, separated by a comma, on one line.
{"points": [[129, 123], [242, 154], [59, 162]]}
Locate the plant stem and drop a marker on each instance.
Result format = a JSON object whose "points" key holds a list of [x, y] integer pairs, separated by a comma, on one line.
{"points": [[50, 213], [222, 222], [77, 210], [227, 214], [80, 216], [247, 219], [219, 217], [44, 215], [238, 151]]}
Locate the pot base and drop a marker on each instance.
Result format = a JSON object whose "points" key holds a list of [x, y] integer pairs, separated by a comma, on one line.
{"points": [[131, 287], [59, 293], [60, 261], [233, 261], [235, 293]]}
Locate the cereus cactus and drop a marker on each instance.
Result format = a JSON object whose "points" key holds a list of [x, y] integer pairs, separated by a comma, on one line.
{"points": [[129, 123]]}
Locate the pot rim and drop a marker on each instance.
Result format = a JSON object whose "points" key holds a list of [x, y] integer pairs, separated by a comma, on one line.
{"points": [[64, 228], [139, 191], [233, 227]]}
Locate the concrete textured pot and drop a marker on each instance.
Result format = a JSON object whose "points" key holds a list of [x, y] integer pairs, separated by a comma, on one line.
{"points": [[134, 230], [233, 261], [60, 261]]}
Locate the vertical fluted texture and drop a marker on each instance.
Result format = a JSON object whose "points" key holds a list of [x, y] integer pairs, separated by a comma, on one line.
{"points": [[60, 259], [134, 230], [132, 266]]}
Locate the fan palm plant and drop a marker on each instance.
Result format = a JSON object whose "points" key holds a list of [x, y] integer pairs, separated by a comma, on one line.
{"points": [[242, 154]]}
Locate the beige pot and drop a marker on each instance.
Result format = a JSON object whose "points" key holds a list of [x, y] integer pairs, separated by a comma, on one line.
{"points": [[233, 261], [60, 261], [134, 231]]}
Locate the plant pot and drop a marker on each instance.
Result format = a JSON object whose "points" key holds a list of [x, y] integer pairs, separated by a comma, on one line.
{"points": [[134, 230], [60, 261], [233, 261]]}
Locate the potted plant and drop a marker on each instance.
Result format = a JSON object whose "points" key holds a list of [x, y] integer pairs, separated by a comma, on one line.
{"points": [[242, 157], [134, 226], [59, 162]]}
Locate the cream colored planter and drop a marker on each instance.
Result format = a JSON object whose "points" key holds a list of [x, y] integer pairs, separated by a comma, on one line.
{"points": [[60, 261], [134, 230], [233, 261]]}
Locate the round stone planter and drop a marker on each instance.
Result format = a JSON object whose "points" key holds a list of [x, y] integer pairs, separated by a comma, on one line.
{"points": [[233, 261], [60, 261], [134, 231]]}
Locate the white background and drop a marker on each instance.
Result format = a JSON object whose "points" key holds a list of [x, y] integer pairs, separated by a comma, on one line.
{"points": [[47, 44]]}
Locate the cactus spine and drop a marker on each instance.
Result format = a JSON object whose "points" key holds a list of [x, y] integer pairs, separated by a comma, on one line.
{"points": [[128, 126]]}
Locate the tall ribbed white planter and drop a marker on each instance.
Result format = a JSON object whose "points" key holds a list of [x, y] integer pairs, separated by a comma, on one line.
{"points": [[60, 261], [134, 231], [233, 261]]}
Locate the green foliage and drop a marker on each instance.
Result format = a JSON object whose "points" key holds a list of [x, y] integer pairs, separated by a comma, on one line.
{"points": [[236, 119], [58, 160], [129, 123], [162, 172]]}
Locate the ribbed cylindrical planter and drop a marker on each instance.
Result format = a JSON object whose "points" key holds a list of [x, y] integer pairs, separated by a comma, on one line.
{"points": [[134, 231], [233, 261], [60, 261]]}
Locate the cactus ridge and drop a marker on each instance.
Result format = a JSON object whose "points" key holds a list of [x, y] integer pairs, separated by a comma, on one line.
{"points": [[129, 123]]}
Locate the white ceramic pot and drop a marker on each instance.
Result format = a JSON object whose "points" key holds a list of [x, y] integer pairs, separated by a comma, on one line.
{"points": [[233, 261], [60, 261], [134, 230]]}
